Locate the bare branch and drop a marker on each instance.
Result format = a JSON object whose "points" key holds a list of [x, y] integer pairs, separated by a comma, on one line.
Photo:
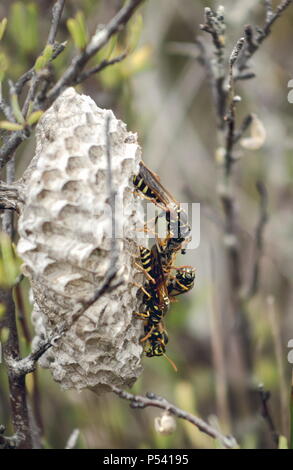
{"points": [[263, 218], [265, 396], [255, 39], [98, 40], [243, 128], [139, 401], [215, 26], [105, 63], [56, 16], [17, 392]]}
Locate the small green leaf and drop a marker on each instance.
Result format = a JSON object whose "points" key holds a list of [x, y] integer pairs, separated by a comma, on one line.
{"points": [[283, 443], [10, 126], [48, 52], [3, 65], [9, 262], [82, 28], [23, 26], [134, 31], [44, 58], [34, 117], [16, 109], [2, 310], [4, 334], [77, 28], [40, 63], [3, 24]]}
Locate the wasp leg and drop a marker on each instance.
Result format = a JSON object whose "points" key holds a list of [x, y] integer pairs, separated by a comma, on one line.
{"points": [[144, 338], [149, 277], [141, 315], [139, 286], [145, 229], [151, 199], [178, 268]]}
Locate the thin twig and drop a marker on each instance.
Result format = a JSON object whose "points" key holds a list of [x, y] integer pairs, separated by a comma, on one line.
{"points": [[258, 242], [98, 40], [56, 16], [139, 401], [265, 396], [11, 351], [105, 63], [255, 39]]}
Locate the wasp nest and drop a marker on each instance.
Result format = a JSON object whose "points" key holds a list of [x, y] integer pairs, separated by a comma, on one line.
{"points": [[65, 243]]}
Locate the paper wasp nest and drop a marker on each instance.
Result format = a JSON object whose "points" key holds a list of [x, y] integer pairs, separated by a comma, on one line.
{"points": [[66, 249]]}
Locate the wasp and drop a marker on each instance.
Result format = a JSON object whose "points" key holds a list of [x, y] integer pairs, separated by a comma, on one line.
{"points": [[158, 291], [183, 282], [157, 340], [156, 344], [156, 296], [149, 185]]}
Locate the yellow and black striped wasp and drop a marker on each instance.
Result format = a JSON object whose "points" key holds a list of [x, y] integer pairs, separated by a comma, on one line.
{"points": [[156, 296], [160, 287], [149, 186], [183, 282], [156, 342], [157, 289]]}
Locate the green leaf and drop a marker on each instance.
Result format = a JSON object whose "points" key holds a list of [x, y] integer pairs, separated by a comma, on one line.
{"points": [[23, 26], [9, 262], [10, 126], [16, 109], [34, 117], [3, 24], [4, 334], [77, 28], [82, 28], [40, 63], [134, 31], [2, 310], [44, 58], [3, 65], [283, 443], [48, 52]]}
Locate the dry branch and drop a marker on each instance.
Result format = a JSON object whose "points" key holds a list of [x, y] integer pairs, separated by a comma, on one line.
{"points": [[139, 401]]}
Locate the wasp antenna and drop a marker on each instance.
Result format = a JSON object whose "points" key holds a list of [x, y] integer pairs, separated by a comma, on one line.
{"points": [[171, 362]]}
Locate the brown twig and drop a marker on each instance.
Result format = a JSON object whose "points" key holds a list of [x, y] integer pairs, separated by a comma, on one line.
{"points": [[258, 242], [105, 63], [139, 401], [56, 16], [20, 419], [98, 40], [265, 396], [254, 39]]}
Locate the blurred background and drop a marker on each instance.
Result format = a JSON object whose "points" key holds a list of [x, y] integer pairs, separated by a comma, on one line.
{"points": [[163, 95]]}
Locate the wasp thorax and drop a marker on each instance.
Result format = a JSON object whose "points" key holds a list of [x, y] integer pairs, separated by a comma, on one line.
{"points": [[65, 242]]}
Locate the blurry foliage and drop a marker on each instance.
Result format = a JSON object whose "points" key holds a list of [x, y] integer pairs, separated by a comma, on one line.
{"points": [[9, 262], [23, 28], [78, 30]]}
